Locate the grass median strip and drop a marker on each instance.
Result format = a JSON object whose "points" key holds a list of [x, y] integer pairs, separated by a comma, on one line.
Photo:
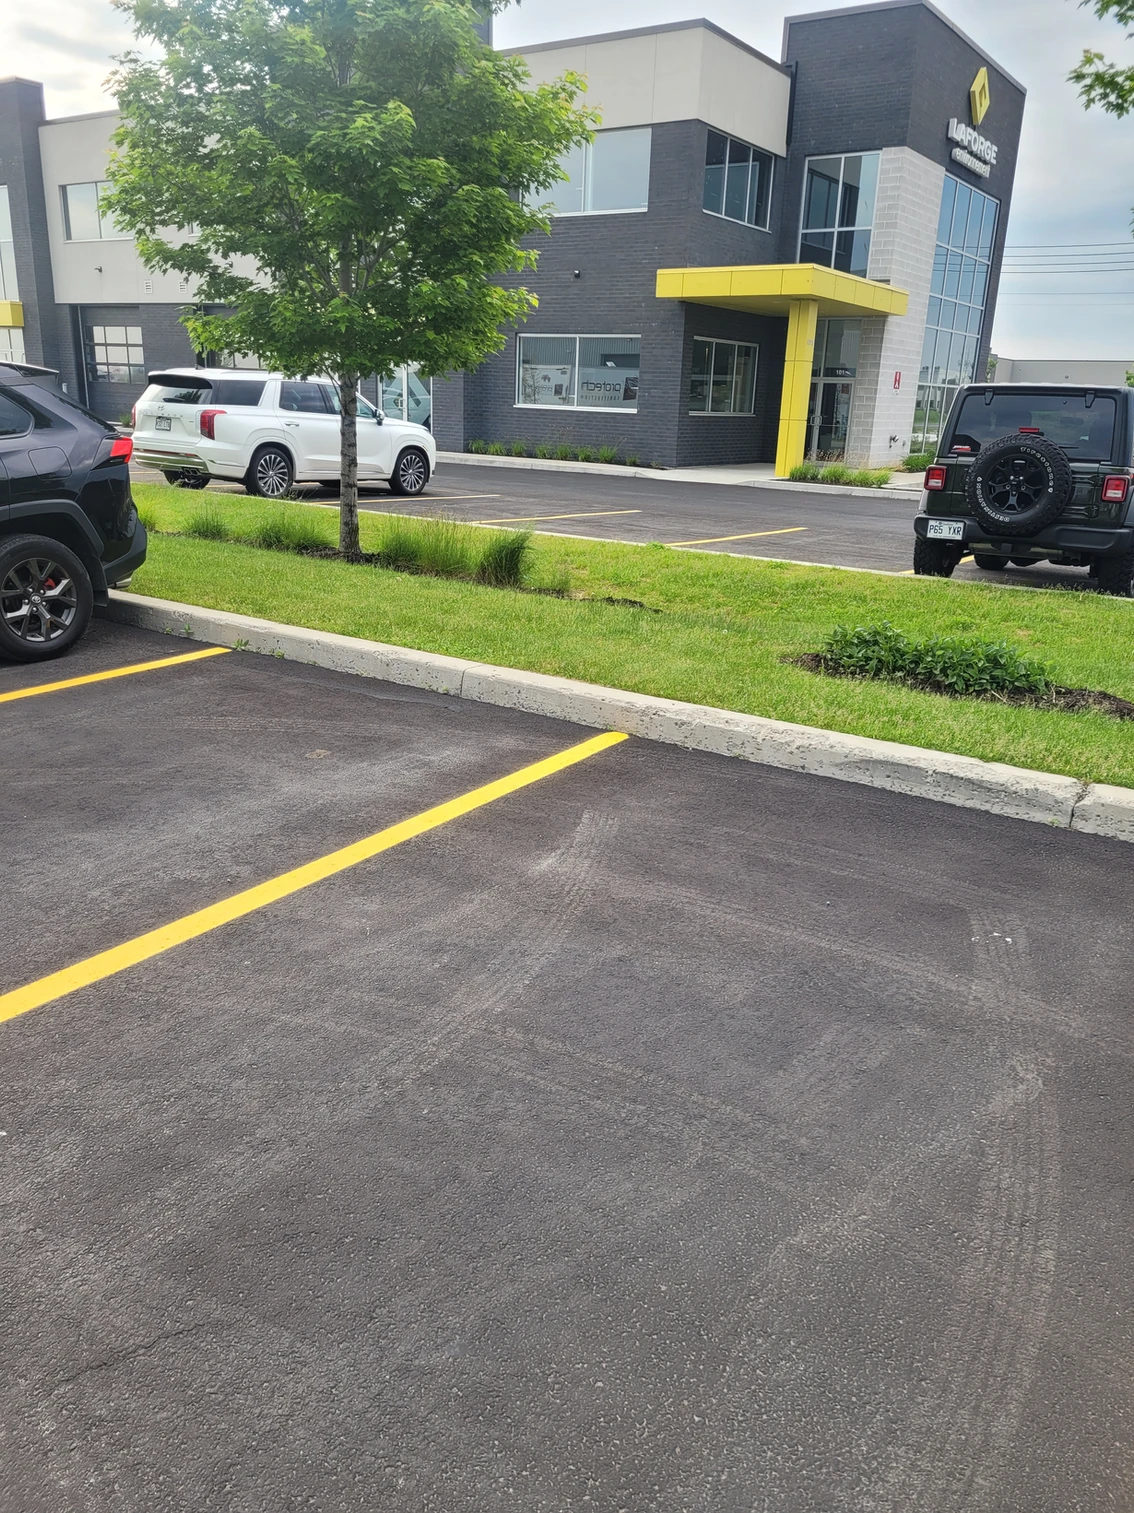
{"points": [[155, 942], [112, 672], [722, 630]]}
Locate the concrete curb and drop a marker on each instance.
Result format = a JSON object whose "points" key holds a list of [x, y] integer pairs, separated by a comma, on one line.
{"points": [[667, 475], [1046, 798]]}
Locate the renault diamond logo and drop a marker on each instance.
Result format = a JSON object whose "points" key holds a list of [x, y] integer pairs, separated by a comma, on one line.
{"points": [[980, 97]]}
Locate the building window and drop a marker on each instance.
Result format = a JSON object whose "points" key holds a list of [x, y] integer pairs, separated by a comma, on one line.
{"points": [[738, 180], [584, 372], [114, 355], [406, 396], [723, 380], [8, 286], [612, 172], [962, 263], [838, 212], [84, 219], [11, 344]]}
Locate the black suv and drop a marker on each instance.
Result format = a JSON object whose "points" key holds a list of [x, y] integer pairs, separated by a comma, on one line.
{"points": [[68, 526], [1033, 473]]}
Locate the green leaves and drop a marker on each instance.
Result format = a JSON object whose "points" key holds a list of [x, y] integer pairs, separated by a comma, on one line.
{"points": [[1100, 82], [947, 664]]}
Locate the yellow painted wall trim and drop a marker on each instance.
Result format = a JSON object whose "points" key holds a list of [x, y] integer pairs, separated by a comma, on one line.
{"points": [[769, 288], [11, 312], [803, 318]]}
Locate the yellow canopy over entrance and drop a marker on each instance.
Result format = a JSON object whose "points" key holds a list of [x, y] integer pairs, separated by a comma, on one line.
{"points": [[801, 291]]}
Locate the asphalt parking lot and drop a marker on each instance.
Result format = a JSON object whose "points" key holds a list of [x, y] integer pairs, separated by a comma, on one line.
{"points": [[668, 1134], [822, 525]]}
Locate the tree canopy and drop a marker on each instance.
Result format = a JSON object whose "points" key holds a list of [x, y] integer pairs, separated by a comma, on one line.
{"points": [[1100, 82], [344, 181]]}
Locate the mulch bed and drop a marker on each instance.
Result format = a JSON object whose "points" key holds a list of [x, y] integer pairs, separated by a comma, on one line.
{"points": [[1067, 700]]}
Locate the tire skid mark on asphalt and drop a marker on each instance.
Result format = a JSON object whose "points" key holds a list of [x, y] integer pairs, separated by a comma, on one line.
{"points": [[954, 1456]]}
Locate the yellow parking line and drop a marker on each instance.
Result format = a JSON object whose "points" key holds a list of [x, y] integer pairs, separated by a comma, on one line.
{"points": [[113, 672], [582, 515], [787, 530], [107, 963]]}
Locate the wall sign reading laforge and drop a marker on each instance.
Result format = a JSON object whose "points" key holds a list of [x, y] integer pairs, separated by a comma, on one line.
{"points": [[974, 152]]}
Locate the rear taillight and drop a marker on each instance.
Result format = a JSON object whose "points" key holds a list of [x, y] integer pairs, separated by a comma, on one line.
{"points": [[935, 478], [122, 449], [209, 423], [1115, 489]]}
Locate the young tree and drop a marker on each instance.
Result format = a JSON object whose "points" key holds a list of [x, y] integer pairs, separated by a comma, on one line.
{"points": [[349, 179], [1101, 83]]}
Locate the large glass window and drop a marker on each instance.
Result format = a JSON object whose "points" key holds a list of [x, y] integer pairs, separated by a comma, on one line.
{"points": [[1082, 424], [406, 396], [84, 218], [738, 180], [838, 212], [966, 231], [723, 378], [585, 372], [612, 172], [8, 286], [114, 354]]}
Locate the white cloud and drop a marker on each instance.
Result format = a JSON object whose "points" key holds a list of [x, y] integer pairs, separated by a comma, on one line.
{"points": [[1073, 185]]}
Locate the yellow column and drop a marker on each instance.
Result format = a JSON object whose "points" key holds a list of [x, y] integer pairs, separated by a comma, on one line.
{"points": [[792, 443]]}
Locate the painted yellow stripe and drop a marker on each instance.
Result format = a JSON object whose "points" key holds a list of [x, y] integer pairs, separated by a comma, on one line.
{"points": [[582, 515], [107, 963], [787, 530], [113, 672]]}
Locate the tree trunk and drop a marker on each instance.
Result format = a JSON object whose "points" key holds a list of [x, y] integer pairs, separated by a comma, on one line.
{"points": [[348, 448]]}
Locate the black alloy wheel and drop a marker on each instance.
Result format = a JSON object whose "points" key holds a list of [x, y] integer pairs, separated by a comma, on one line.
{"points": [[411, 473], [1016, 485], [46, 598], [271, 474]]}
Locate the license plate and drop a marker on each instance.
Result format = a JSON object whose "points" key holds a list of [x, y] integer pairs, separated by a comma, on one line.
{"points": [[946, 530], [163, 423]]}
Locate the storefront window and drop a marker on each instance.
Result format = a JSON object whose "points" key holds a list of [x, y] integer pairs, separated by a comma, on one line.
{"points": [[723, 378], [612, 172], [738, 180], [966, 232], [838, 212], [584, 372]]}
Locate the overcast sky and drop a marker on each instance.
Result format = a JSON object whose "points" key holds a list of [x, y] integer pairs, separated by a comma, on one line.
{"points": [[1075, 183]]}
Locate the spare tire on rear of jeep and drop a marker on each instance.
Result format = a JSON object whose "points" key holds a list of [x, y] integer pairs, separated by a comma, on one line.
{"points": [[1018, 484]]}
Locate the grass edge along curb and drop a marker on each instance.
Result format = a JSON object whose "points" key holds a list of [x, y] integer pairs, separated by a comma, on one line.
{"points": [[966, 782]]}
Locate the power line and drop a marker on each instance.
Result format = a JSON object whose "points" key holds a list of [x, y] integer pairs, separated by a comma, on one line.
{"points": [[1050, 246]]}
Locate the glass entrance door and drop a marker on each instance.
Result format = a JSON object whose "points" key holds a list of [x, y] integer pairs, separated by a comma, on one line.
{"points": [[829, 420]]}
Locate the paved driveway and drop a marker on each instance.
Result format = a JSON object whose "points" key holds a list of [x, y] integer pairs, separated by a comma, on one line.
{"points": [[799, 525], [667, 1134]]}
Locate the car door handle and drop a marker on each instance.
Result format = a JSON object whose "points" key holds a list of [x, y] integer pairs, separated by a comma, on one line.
{"points": [[291, 422]]}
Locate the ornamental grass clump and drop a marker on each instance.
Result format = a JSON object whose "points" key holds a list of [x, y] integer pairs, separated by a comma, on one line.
{"points": [[954, 665], [504, 560], [289, 529]]}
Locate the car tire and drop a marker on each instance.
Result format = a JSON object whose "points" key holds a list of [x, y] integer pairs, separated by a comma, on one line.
{"points": [[46, 598], [1018, 484], [270, 474], [411, 472], [1116, 575], [1022, 561], [989, 562], [935, 559]]}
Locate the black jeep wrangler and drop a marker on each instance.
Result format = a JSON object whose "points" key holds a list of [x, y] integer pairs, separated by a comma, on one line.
{"points": [[1033, 473], [68, 526]]}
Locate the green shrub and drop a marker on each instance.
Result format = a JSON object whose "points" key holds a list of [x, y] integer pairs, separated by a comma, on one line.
{"points": [[805, 472], [284, 529], [869, 478], [495, 449], [518, 449], [585, 454], [916, 462], [950, 664], [632, 460], [835, 472], [427, 546], [479, 447], [504, 559], [608, 454], [564, 453], [543, 450], [207, 523]]}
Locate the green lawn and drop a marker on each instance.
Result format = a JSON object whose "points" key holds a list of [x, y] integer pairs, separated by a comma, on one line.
{"points": [[725, 625]]}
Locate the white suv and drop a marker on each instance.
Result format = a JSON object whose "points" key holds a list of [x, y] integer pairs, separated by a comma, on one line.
{"points": [[268, 432]]}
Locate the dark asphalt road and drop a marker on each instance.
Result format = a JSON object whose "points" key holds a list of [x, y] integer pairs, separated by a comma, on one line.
{"points": [[675, 1134], [821, 525]]}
